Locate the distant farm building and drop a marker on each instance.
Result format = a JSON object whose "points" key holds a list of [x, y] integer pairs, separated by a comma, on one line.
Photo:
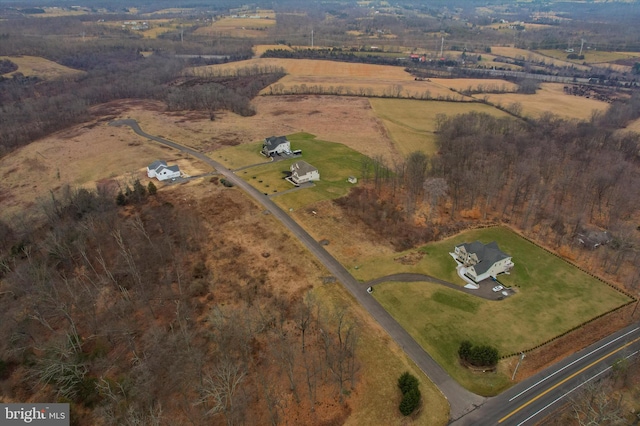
{"points": [[161, 171]]}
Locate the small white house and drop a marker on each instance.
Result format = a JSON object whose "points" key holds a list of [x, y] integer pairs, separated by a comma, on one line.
{"points": [[482, 260], [160, 170], [302, 172], [276, 145]]}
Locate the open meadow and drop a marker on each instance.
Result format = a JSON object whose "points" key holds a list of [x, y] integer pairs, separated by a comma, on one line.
{"points": [[239, 27], [411, 124], [551, 297], [40, 67], [522, 54], [550, 98], [358, 79]]}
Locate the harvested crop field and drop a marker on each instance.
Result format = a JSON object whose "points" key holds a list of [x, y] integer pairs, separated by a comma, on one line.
{"points": [[358, 78], [551, 98], [411, 124], [512, 52], [40, 67]]}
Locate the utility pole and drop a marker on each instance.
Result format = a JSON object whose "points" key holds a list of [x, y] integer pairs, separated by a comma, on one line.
{"points": [[581, 45], [518, 365], [311, 38], [442, 48]]}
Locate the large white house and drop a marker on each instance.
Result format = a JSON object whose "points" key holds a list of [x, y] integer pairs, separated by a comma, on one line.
{"points": [[482, 261], [159, 169], [302, 172], [276, 145]]}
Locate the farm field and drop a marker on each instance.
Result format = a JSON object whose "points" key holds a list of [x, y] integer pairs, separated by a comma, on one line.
{"points": [[551, 98], [593, 56], [635, 126], [238, 27], [358, 78], [259, 49], [40, 67], [515, 53], [411, 124], [551, 297]]}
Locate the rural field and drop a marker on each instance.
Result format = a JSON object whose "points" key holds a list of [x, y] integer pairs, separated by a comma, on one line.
{"points": [[411, 124], [550, 98], [551, 297], [336, 163], [40, 67], [378, 79], [593, 56], [238, 27], [515, 53]]}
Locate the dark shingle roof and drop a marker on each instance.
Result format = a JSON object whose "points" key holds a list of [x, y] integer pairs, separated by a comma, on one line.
{"points": [[487, 254], [157, 164], [273, 141]]}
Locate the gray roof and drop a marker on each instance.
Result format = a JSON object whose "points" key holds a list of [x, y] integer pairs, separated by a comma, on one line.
{"points": [[273, 141], [157, 164], [487, 254], [175, 168], [302, 167]]}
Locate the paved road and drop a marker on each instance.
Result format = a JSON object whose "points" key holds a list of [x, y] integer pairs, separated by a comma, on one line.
{"points": [[535, 398], [461, 401]]}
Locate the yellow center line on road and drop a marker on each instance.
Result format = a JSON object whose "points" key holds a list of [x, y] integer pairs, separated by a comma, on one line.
{"points": [[531, 401]]}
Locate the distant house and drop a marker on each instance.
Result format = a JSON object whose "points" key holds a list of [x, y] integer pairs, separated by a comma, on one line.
{"points": [[160, 170], [482, 261], [302, 172], [276, 145], [352, 179]]}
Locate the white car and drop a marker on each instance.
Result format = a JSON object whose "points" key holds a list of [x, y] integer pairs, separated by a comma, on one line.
{"points": [[497, 288]]}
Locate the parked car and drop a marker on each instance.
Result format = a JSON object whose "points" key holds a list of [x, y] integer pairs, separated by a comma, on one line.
{"points": [[497, 288]]}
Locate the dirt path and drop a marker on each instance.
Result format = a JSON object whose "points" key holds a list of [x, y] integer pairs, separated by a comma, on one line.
{"points": [[461, 401]]}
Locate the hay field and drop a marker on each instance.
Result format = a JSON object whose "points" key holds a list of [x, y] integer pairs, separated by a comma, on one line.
{"points": [[259, 49], [238, 27], [551, 98], [378, 79], [40, 67], [593, 56], [475, 84], [411, 124], [512, 52]]}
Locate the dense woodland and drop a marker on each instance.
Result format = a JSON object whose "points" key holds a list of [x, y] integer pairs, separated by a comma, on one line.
{"points": [[127, 312]]}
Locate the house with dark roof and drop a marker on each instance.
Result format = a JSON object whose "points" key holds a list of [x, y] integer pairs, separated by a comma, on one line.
{"points": [[276, 145], [482, 261], [161, 171], [302, 172]]}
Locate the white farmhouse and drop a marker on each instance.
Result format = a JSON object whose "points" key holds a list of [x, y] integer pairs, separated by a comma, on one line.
{"points": [[159, 169], [302, 172], [482, 261], [276, 145]]}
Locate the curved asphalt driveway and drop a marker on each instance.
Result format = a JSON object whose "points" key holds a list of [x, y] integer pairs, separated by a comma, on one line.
{"points": [[461, 400]]}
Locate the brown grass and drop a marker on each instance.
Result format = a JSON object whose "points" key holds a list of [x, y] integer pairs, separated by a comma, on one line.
{"points": [[378, 78], [512, 52], [258, 50], [551, 98], [40, 67]]}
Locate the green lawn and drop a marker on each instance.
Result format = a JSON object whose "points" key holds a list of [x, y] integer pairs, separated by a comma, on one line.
{"points": [[335, 162], [552, 297]]}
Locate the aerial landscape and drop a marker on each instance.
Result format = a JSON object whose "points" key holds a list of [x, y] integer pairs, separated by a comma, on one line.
{"points": [[320, 212]]}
